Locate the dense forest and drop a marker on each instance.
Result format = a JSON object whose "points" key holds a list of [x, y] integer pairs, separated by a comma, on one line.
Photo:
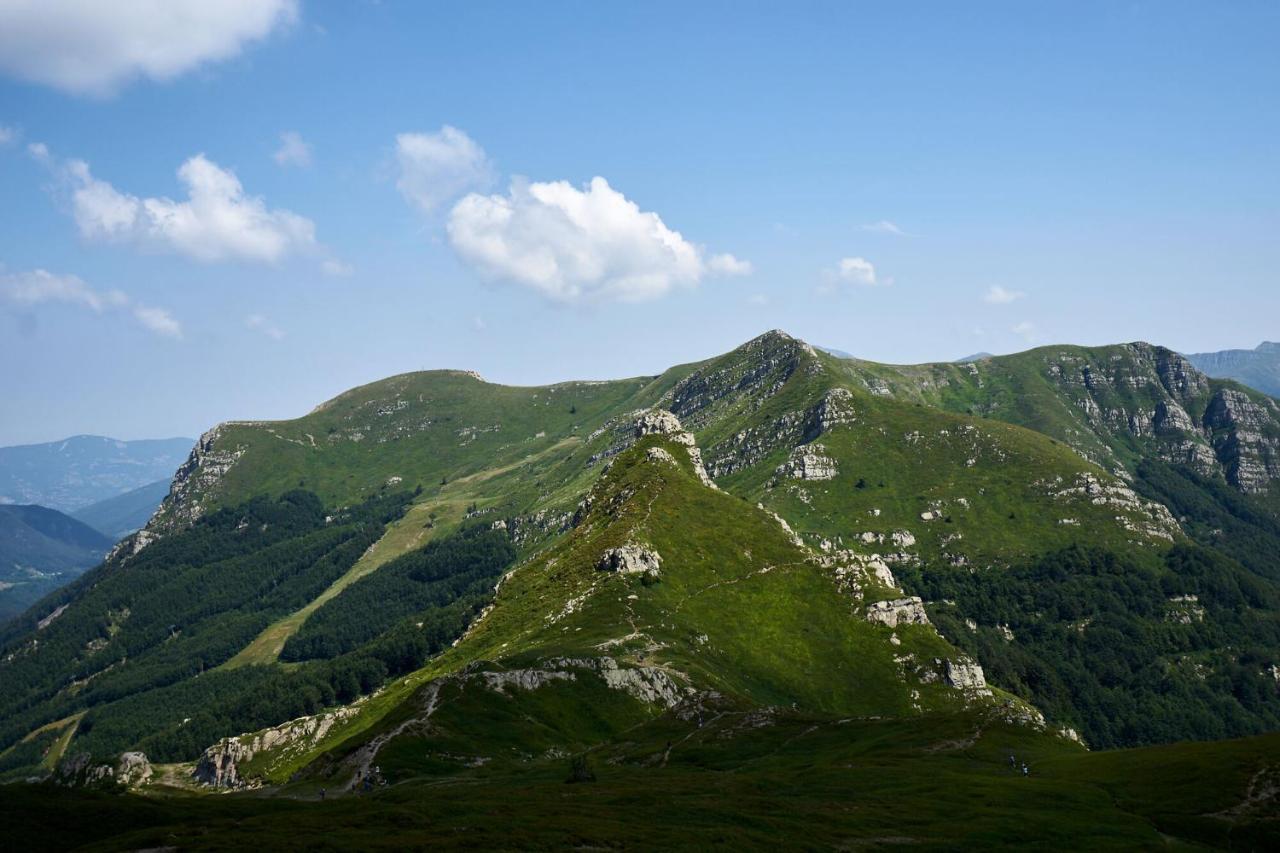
{"points": [[138, 649], [1127, 653], [139, 640], [441, 586]]}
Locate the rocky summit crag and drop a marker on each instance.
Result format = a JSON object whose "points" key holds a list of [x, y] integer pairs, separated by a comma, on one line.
{"points": [[774, 570]]}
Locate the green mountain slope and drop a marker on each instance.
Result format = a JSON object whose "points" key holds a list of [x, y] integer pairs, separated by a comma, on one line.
{"points": [[40, 550], [1258, 367], [1115, 405], [831, 540]]}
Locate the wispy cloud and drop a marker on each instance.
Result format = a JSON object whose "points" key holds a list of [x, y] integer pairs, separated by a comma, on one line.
{"points": [[31, 288], [883, 226], [159, 321], [997, 295], [293, 151], [437, 168]]}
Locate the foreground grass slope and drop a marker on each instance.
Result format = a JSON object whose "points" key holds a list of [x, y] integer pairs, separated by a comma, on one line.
{"points": [[799, 781]]}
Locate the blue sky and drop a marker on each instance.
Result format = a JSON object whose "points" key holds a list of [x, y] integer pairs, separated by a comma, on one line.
{"points": [[904, 181]]}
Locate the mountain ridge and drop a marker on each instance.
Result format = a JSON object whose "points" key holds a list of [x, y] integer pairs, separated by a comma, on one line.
{"points": [[1258, 368], [773, 527], [72, 473]]}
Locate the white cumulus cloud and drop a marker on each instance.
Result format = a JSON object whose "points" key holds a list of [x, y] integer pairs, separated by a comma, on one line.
{"points": [[1026, 330], [436, 168], [293, 150], [93, 47], [35, 287], [997, 295], [726, 264], [217, 221], [7, 135], [571, 244], [857, 271]]}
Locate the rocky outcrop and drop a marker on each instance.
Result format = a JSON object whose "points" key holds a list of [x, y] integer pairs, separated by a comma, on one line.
{"points": [[664, 423], [808, 462], [131, 770], [1246, 439], [1157, 396], [630, 560], [221, 764], [898, 611], [208, 463], [652, 684], [963, 674], [523, 679], [1135, 514]]}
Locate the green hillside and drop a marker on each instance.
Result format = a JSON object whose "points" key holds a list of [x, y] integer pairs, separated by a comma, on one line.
{"points": [[972, 558]]}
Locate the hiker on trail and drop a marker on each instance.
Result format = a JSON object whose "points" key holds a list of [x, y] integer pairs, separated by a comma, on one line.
{"points": [[1026, 771], [322, 795]]}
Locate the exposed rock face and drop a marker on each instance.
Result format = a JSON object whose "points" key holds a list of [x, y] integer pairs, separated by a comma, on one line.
{"points": [[853, 571], [523, 679], [133, 768], [898, 611], [219, 766], [651, 684], [808, 462], [630, 560], [1159, 397], [658, 422], [1135, 514], [658, 454], [205, 467], [1245, 438], [662, 422], [964, 674]]}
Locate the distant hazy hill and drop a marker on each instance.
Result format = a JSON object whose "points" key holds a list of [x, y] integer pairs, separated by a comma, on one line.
{"points": [[1258, 368], [85, 469], [40, 550], [119, 516]]}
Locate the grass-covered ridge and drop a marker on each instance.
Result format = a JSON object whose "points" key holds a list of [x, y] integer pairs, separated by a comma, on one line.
{"points": [[669, 630]]}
